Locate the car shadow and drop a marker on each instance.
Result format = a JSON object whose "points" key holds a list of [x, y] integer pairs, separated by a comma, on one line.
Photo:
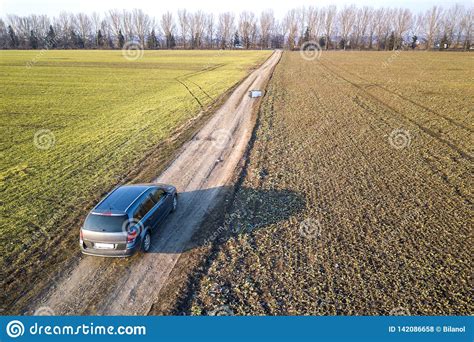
{"points": [[201, 217]]}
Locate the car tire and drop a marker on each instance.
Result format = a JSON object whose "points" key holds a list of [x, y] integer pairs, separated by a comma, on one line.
{"points": [[146, 242], [175, 203]]}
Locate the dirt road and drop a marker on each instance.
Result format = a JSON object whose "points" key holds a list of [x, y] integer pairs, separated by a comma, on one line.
{"points": [[200, 172]]}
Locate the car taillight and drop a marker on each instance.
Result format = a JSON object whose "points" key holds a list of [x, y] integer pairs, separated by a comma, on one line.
{"points": [[132, 235], [80, 234]]}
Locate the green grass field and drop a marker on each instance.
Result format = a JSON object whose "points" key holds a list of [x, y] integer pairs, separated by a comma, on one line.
{"points": [[74, 122]]}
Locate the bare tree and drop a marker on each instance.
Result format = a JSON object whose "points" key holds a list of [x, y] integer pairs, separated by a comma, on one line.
{"points": [[63, 29], [253, 34], [372, 27], [14, 22], [402, 23], [44, 24], [128, 25], [361, 25], [225, 29], [302, 23], [84, 27], [451, 24], [34, 23], [108, 35], [355, 27], [247, 26], [431, 21], [210, 29], [389, 29], [196, 28], [114, 21], [168, 27], [183, 18], [378, 20], [141, 24], [96, 23], [346, 20], [314, 22], [267, 21], [466, 27], [329, 18], [290, 23], [3, 35], [278, 39]]}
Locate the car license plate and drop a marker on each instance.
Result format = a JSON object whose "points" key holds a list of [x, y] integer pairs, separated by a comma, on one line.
{"points": [[104, 245]]}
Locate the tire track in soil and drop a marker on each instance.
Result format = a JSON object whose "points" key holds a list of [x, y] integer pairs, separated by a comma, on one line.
{"points": [[427, 109], [428, 131], [393, 169], [433, 169]]}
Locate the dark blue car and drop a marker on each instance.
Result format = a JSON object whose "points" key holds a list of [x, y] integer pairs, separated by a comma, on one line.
{"points": [[122, 223]]}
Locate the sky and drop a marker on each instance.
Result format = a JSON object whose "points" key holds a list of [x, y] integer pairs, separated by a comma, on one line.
{"points": [[156, 7]]}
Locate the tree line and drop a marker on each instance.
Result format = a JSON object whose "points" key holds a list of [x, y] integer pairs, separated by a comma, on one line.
{"points": [[349, 27]]}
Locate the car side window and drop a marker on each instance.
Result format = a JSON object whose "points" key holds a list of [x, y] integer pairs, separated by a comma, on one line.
{"points": [[139, 213], [158, 194], [144, 208], [147, 204]]}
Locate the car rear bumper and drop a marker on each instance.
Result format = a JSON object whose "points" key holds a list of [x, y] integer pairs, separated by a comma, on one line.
{"points": [[112, 253]]}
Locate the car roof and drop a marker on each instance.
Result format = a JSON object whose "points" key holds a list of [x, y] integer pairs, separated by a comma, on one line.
{"points": [[120, 199]]}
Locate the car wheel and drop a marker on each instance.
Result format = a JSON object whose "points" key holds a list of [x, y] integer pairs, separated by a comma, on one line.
{"points": [[146, 242], [175, 203]]}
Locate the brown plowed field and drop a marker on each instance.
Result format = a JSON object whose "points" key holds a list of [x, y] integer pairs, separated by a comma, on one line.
{"points": [[357, 195]]}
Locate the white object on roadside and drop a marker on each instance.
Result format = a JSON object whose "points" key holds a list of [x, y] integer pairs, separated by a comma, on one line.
{"points": [[255, 93]]}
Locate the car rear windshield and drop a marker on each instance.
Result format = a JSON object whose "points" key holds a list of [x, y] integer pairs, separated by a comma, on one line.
{"points": [[102, 223]]}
